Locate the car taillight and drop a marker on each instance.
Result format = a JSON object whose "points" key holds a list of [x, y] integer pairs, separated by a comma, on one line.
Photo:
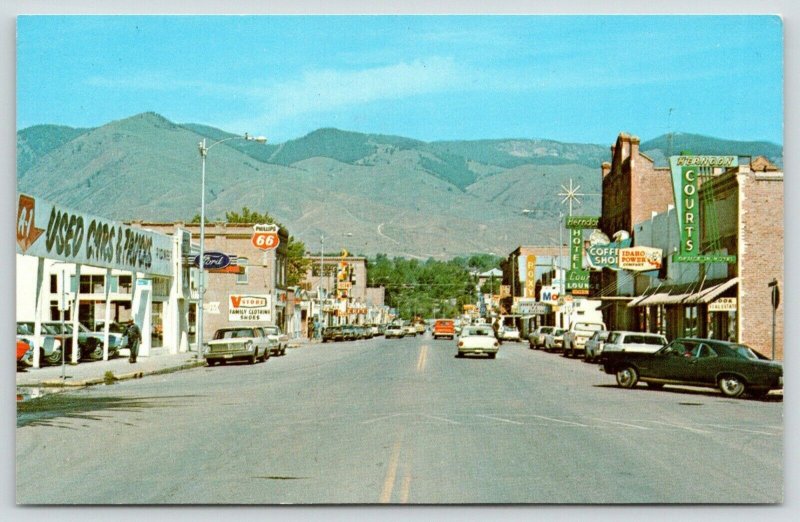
{"points": [[460, 344], [496, 344]]}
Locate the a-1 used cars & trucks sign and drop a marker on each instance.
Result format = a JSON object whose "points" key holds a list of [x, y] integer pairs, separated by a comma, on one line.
{"points": [[53, 231]]}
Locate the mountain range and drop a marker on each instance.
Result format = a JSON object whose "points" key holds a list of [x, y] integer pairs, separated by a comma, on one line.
{"points": [[367, 193]]}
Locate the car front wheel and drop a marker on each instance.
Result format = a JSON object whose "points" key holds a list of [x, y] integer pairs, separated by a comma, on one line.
{"points": [[627, 377], [731, 386]]}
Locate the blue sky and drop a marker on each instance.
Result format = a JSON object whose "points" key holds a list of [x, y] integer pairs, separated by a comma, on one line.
{"points": [[570, 78]]}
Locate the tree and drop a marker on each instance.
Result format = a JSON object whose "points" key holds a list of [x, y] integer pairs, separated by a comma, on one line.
{"points": [[296, 265]]}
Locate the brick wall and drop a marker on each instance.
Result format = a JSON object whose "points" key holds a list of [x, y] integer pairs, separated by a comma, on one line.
{"points": [[761, 241]]}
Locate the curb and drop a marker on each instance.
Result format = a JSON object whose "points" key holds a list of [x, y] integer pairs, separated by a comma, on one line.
{"points": [[58, 383]]}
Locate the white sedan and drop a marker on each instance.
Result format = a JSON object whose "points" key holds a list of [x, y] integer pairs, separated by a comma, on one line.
{"points": [[508, 333], [477, 340]]}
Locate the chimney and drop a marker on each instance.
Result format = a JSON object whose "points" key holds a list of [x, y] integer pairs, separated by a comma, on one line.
{"points": [[634, 151], [605, 168]]}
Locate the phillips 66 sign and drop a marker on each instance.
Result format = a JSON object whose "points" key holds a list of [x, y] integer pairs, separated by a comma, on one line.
{"points": [[265, 237]]}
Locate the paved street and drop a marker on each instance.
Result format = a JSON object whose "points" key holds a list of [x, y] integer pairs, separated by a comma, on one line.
{"points": [[397, 421]]}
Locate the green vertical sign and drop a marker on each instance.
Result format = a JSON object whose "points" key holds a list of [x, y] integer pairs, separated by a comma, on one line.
{"points": [[576, 249], [685, 171]]}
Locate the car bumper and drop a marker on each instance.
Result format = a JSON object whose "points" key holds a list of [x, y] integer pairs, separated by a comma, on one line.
{"points": [[477, 351], [217, 353]]}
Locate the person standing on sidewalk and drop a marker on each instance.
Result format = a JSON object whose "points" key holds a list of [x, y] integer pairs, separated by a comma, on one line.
{"points": [[134, 336]]}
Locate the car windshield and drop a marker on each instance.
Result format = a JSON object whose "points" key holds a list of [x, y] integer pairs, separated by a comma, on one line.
{"points": [[600, 336], [645, 339], [57, 328], [588, 327], [233, 334], [559, 331], [112, 327], [476, 331]]}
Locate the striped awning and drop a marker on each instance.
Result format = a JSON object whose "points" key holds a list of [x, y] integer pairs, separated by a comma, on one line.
{"points": [[704, 296]]}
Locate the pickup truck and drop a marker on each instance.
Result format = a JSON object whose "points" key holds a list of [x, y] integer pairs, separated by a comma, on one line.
{"points": [[579, 332], [444, 328], [238, 343]]}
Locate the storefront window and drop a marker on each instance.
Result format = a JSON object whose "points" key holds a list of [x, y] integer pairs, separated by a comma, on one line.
{"points": [[691, 326]]}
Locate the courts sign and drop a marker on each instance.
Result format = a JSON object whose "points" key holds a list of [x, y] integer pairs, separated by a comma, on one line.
{"points": [[53, 231], [686, 171]]}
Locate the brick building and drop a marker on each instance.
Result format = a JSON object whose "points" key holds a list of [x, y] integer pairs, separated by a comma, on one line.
{"points": [[257, 273], [741, 214]]}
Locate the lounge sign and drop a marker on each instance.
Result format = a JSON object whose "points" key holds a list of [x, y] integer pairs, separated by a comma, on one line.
{"points": [[686, 171], [50, 230]]}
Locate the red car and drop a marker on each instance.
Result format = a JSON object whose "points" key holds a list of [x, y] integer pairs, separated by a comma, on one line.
{"points": [[22, 350]]}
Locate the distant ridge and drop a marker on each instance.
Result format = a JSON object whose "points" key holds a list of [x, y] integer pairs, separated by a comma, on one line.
{"points": [[369, 193]]}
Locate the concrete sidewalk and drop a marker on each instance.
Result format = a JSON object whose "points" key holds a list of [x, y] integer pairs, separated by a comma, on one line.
{"points": [[88, 373]]}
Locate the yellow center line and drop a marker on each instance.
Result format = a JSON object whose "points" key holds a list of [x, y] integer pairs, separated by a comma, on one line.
{"points": [[405, 486], [423, 358], [391, 473]]}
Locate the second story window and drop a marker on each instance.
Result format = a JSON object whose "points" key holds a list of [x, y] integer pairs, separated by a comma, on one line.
{"points": [[241, 278]]}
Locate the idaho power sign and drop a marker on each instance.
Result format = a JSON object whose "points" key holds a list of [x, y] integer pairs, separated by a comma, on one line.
{"points": [[250, 307], [52, 231]]}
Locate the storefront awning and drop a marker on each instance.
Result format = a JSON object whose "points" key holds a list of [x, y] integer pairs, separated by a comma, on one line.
{"points": [[709, 294], [704, 296]]}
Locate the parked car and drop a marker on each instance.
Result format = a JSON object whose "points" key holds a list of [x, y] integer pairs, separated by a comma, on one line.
{"points": [[507, 333], [349, 332], [332, 333], [554, 340], [395, 330], [281, 340], [733, 368], [624, 341], [477, 340], [367, 330], [48, 344], [444, 328], [89, 346], [24, 353], [578, 333], [248, 343], [536, 338], [117, 337], [594, 346]]}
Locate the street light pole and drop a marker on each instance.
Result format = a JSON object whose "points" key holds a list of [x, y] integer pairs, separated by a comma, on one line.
{"points": [[321, 275], [202, 259]]}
